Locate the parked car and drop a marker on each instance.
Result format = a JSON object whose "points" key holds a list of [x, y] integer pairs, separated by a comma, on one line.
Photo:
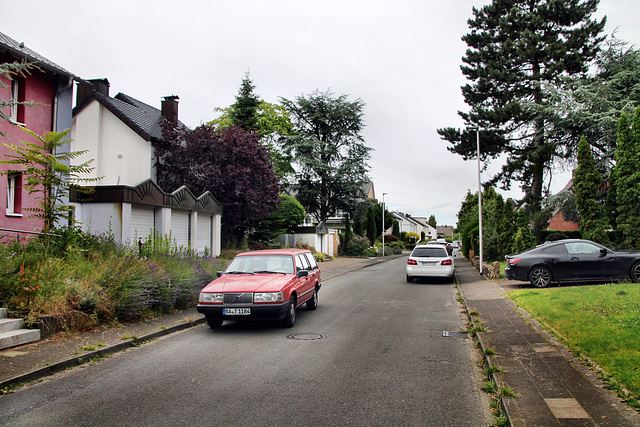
{"points": [[572, 260], [262, 285], [431, 260], [443, 243]]}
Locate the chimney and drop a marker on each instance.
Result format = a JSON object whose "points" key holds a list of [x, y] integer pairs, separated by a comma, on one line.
{"points": [[170, 108], [84, 90]]}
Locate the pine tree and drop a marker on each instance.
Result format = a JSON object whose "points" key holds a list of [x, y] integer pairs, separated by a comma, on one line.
{"points": [[517, 49], [627, 183], [587, 181], [244, 112]]}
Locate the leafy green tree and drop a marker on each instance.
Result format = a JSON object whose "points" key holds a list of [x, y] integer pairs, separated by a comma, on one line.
{"points": [[492, 211], [587, 181], [468, 223], [289, 213], [284, 219], [47, 174], [432, 221], [517, 50], [507, 230], [329, 152], [627, 175], [523, 239]]}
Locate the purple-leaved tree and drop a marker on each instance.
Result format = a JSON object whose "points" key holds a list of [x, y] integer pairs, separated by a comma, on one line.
{"points": [[231, 164]]}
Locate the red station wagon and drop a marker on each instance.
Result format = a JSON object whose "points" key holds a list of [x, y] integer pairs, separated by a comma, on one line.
{"points": [[262, 285]]}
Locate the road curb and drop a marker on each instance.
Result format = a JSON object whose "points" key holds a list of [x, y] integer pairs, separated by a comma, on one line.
{"points": [[81, 359], [506, 404]]}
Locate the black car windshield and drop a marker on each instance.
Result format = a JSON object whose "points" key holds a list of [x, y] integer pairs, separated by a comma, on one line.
{"points": [[249, 264], [432, 251]]}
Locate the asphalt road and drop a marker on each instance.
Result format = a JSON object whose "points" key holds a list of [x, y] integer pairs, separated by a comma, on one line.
{"points": [[372, 354]]}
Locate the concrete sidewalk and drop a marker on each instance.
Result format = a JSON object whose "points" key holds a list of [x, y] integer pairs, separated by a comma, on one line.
{"points": [[553, 387], [32, 362]]}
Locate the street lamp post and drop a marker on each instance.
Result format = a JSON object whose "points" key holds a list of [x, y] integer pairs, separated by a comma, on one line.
{"points": [[383, 194], [477, 129]]}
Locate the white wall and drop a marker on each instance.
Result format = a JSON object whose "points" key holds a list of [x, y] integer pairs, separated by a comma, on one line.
{"points": [[100, 218], [121, 156]]}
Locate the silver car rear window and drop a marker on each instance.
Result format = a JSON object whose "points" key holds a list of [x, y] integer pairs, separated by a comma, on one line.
{"points": [[435, 251]]}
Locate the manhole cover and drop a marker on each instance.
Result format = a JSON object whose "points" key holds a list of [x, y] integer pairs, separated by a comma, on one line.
{"points": [[455, 334], [307, 337]]}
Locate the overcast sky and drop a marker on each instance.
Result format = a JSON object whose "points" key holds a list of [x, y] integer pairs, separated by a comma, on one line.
{"points": [[401, 57]]}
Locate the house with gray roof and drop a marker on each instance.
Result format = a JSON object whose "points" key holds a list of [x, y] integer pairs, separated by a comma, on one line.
{"points": [[50, 88], [119, 133]]}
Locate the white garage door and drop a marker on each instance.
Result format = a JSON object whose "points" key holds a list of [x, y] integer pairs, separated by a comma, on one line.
{"points": [[204, 233], [142, 223], [180, 228]]}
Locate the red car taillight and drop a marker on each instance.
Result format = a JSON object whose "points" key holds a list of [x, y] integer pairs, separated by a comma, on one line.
{"points": [[446, 262], [513, 261], [412, 262]]}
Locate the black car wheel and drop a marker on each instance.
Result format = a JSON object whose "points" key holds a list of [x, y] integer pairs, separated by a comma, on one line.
{"points": [[409, 279], [635, 272], [540, 277], [290, 319], [312, 304], [213, 322]]}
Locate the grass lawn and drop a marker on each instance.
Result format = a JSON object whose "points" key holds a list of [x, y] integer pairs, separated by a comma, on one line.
{"points": [[601, 322]]}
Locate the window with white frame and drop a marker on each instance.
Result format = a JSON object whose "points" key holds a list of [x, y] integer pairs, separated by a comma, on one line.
{"points": [[16, 109], [14, 194]]}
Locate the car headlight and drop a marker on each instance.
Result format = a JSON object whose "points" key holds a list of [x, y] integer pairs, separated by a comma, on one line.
{"points": [[267, 297], [210, 297]]}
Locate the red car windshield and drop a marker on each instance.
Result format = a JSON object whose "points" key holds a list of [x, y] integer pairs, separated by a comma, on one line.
{"points": [[263, 263]]}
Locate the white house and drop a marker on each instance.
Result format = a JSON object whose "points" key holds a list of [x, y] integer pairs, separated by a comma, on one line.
{"points": [[430, 232], [118, 133], [417, 225]]}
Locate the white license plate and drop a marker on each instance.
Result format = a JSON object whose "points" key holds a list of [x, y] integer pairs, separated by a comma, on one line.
{"points": [[236, 311], [429, 264]]}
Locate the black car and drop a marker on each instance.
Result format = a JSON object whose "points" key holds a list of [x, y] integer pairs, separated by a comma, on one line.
{"points": [[572, 260]]}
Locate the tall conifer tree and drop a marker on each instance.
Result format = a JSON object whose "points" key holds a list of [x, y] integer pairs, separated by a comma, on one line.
{"points": [[517, 49], [587, 181], [244, 112], [627, 175]]}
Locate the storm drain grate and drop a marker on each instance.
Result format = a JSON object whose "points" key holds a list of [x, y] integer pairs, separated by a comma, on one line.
{"points": [[307, 337], [450, 334]]}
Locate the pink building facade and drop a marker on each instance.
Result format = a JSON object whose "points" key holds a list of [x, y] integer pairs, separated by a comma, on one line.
{"points": [[50, 88]]}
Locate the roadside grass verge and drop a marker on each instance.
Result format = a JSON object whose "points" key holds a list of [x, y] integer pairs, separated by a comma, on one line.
{"points": [[601, 322]]}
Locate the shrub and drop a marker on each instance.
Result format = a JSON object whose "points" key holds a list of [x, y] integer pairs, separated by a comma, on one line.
{"points": [[396, 248], [92, 278], [371, 252], [319, 257], [357, 246], [301, 245]]}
